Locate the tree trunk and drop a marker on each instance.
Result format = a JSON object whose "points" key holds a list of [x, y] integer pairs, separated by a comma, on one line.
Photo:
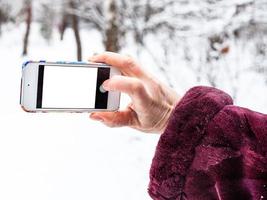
{"points": [[63, 25], [75, 27], [28, 12], [112, 30]]}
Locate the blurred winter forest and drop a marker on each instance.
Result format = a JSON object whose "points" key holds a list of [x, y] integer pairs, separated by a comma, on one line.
{"points": [[221, 43], [184, 43]]}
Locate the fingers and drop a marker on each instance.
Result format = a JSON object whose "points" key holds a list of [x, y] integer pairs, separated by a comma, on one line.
{"points": [[123, 63], [115, 119], [129, 85]]}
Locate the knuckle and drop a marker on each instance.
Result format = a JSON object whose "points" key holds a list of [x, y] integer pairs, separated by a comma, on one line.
{"points": [[105, 56], [158, 87], [137, 87], [129, 62], [114, 122]]}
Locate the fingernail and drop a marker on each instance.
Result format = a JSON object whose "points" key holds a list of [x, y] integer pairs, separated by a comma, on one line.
{"points": [[105, 85], [91, 58]]}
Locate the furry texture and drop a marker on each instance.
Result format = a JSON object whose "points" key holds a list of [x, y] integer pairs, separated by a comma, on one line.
{"points": [[211, 150]]}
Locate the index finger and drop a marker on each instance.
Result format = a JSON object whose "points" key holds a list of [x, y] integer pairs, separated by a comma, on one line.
{"points": [[123, 63]]}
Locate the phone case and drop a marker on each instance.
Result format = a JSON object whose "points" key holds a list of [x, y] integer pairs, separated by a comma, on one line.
{"points": [[24, 65]]}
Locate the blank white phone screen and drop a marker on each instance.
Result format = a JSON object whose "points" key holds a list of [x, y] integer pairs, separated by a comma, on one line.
{"points": [[69, 87]]}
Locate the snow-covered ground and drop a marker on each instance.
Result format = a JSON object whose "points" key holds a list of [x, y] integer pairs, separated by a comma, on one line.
{"points": [[68, 156], [64, 156]]}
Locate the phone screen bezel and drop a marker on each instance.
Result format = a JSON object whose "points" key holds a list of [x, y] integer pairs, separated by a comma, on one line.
{"points": [[101, 99]]}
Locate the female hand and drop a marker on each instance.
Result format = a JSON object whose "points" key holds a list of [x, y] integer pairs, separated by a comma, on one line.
{"points": [[152, 102]]}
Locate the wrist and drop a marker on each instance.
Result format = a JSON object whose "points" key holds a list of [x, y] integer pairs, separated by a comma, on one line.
{"points": [[165, 119]]}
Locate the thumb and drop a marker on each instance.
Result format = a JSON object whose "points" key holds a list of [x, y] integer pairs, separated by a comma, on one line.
{"points": [[129, 85]]}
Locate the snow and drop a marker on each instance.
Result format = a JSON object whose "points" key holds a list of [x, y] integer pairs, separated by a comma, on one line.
{"points": [[186, 67], [68, 156], [64, 156]]}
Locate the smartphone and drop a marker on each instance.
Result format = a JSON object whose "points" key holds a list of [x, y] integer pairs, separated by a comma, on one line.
{"points": [[67, 87]]}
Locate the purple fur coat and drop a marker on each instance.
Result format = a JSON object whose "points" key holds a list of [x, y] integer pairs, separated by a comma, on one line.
{"points": [[211, 150]]}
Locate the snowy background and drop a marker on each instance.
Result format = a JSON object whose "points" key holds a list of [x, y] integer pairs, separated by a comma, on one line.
{"points": [[183, 43]]}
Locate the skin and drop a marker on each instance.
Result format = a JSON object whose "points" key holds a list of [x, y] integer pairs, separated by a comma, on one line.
{"points": [[152, 101]]}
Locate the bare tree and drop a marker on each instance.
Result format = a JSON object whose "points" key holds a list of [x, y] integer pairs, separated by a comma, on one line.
{"points": [[75, 26], [28, 13], [63, 24], [101, 15], [205, 36], [4, 17], [112, 29], [70, 18]]}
